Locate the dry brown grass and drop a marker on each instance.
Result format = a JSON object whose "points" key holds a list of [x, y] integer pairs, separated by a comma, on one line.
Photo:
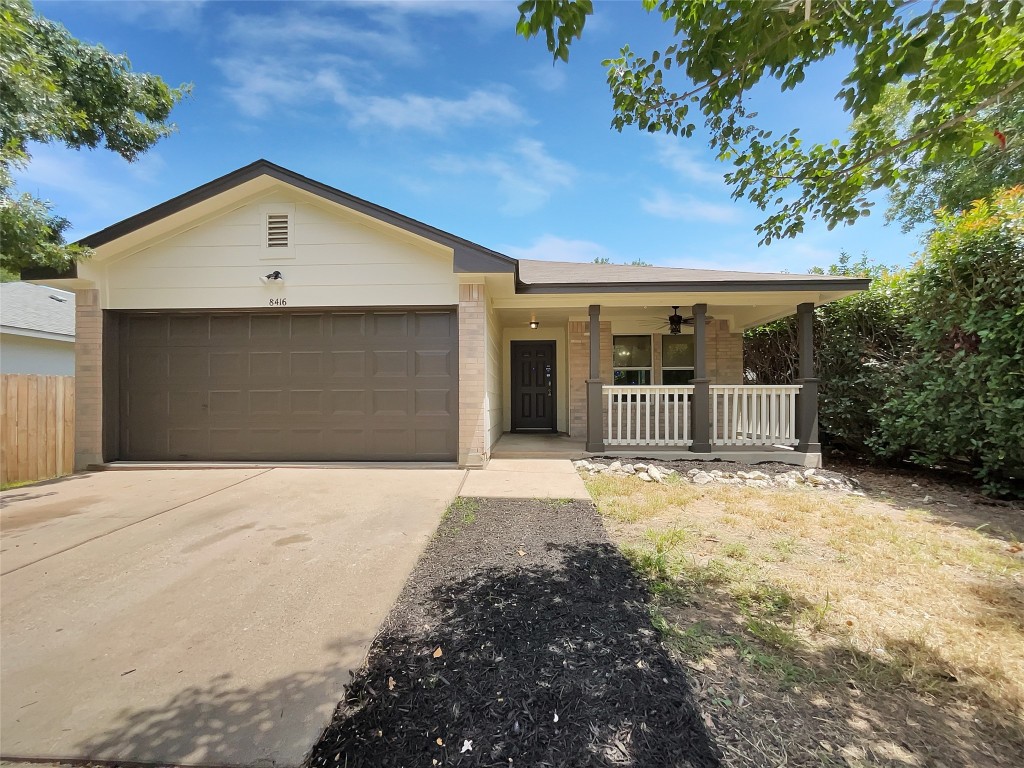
{"points": [[886, 615]]}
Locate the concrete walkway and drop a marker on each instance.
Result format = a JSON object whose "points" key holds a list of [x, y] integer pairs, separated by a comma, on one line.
{"points": [[198, 617], [526, 479]]}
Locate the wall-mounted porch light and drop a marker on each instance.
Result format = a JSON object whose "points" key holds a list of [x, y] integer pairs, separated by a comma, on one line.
{"points": [[535, 324]]}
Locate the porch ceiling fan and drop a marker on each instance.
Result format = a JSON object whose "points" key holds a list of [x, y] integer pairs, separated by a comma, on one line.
{"points": [[675, 322]]}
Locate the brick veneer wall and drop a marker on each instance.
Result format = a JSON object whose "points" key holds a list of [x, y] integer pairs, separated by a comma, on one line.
{"points": [[579, 371], [88, 378], [473, 448], [725, 353]]}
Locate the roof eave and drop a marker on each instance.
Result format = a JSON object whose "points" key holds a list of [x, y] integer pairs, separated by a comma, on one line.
{"points": [[693, 286]]}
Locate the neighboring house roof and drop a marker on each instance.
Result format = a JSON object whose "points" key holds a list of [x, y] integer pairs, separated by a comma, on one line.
{"points": [[569, 277], [37, 310]]}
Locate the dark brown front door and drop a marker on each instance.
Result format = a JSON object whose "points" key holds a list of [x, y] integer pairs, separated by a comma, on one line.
{"points": [[533, 385]]}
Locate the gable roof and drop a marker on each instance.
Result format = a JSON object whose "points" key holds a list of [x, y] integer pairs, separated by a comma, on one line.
{"points": [[469, 256], [572, 277], [531, 276], [38, 309]]}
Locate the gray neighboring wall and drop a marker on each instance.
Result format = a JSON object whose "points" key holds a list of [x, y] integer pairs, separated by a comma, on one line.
{"points": [[37, 330]]}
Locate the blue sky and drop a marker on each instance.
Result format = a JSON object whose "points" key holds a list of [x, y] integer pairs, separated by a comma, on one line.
{"points": [[437, 110]]}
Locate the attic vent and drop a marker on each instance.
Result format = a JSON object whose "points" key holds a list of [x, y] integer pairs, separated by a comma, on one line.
{"points": [[277, 230]]}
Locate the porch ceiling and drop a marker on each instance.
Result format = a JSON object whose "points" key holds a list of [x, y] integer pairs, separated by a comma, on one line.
{"points": [[738, 316]]}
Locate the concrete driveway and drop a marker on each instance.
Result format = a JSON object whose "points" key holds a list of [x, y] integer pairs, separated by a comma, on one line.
{"points": [[198, 616]]}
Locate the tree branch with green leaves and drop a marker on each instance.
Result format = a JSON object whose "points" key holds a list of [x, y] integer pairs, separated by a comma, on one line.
{"points": [[57, 89], [957, 62]]}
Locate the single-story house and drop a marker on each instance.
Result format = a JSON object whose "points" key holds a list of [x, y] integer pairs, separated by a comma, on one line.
{"points": [[37, 330], [268, 317]]}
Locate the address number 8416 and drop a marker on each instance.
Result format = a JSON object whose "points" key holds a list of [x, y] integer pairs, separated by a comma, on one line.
{"points": [[279, 302]]}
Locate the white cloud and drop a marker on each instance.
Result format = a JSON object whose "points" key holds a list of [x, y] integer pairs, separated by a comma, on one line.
{"points": [[178, 15], [295, 30], [526, 177], [287, 60], [683, 161], [553, 248], [259, 85], [550, 77], [688, 208], [497, 12], [433, 113]]}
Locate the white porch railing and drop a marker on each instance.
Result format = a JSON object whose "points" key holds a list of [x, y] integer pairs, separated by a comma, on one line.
{"points": [[648, 415], [743, 414]]}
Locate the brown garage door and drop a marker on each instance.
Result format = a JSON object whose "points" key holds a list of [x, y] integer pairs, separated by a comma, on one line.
{"points": [[289, 386]]}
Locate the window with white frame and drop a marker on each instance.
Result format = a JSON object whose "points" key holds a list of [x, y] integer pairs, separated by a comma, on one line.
{"points": [[631, 360], [676, 360]]}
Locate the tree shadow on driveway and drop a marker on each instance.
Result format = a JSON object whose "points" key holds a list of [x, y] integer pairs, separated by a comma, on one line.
{"points": [[224, 722]]}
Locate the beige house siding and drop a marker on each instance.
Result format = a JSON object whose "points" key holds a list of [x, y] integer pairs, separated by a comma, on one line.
{"points": [[473, 446], [335, 258], [88, 379]]}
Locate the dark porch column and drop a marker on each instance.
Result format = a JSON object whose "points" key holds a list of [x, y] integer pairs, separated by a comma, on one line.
{"points": [[701, 415], [807, 400], [595, 416]]}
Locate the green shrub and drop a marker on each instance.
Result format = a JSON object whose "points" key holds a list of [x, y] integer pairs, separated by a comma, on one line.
{"points": [[959, 394], [928, 363], [858, 345]]}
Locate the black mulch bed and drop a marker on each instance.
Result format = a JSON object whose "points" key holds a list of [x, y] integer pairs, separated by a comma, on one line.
{"points": [[547, 657]]}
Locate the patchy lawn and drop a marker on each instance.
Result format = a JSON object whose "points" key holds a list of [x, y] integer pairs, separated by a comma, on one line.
{"points": [[830, 629], [522, 638]]}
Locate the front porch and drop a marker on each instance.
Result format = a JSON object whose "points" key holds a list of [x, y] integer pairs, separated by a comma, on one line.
{"points": [[613, 383], [523, 445], [634, 360]]}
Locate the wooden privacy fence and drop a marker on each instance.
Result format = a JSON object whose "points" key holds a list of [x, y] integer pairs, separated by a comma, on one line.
{"points": [[37, 427]]}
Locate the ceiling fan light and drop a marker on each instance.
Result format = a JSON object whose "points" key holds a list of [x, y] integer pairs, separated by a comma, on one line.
{"points": [[675, 322]]}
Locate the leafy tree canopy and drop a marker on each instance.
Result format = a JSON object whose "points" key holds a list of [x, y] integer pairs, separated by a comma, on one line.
{"points": [[954, 182], [958, 61], [55, 88]]}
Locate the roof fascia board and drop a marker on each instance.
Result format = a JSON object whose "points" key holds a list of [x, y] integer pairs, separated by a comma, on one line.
{"points": [[469, 257], [702, 286]]}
